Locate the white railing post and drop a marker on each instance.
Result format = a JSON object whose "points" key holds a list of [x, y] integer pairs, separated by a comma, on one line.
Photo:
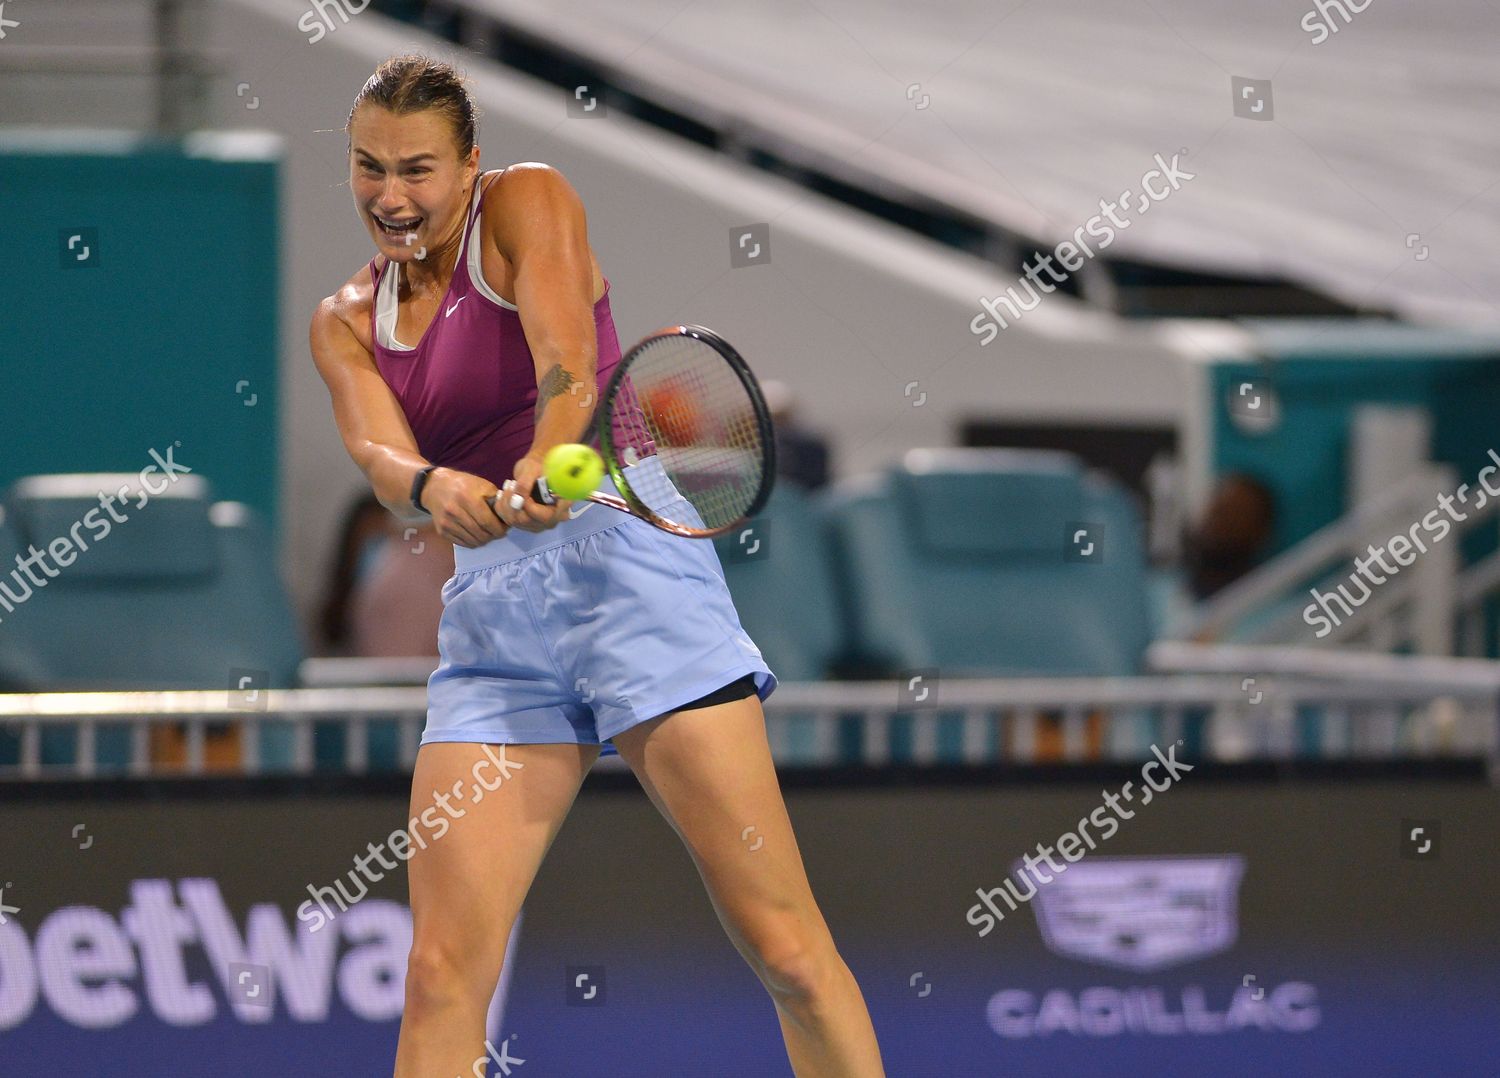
{"points": [[876, 744], [195, 746], [357, 744], [250, 735], [140, 749], [976, 731], [1433, 603], [1075, 734], [1023, 735], [825, 736], [88, 750], [31, 750], [302, 745]]}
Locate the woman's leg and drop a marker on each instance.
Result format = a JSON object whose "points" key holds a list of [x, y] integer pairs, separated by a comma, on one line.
{"points": [[710, 773], [467, 886]]}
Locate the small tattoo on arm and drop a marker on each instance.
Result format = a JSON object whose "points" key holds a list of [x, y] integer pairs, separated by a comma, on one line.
{"points": [[557, 381]]}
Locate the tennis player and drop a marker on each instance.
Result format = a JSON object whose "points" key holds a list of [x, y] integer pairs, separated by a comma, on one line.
{"points": [[479, 337]]}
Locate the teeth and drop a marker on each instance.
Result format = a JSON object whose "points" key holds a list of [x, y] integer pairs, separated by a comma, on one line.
{"points": [[399, 226]]}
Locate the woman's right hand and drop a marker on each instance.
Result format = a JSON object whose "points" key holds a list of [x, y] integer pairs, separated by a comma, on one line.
{"points": [[460, 508]]}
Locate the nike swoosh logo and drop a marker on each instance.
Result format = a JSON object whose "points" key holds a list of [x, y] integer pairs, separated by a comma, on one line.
{"points": [[455, 305]]}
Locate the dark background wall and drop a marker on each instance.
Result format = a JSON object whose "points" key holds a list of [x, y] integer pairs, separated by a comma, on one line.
{"points": [[1391, 959]]}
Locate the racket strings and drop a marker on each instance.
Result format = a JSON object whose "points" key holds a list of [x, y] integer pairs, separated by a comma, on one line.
{"points": [[683, 400]]}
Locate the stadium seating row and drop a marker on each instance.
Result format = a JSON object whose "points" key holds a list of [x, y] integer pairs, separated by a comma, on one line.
{"points": [[154, 591], [974, 562], [960, 562], [143, 590]]}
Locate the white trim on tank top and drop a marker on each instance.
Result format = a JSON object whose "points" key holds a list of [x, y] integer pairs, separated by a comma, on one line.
{"points": [[475, 256], [387, 309]]}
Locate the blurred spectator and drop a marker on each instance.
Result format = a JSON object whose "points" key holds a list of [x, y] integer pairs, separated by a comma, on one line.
{"points": [[365, 526], [398, 604], [801, 455], [1232, 535], [384, 593]]}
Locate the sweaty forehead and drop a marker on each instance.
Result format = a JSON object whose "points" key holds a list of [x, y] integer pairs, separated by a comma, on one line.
{"points": [[387, 136]]}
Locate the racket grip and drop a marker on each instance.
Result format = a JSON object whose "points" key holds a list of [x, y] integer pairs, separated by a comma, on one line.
{"points": [[540, 492]]}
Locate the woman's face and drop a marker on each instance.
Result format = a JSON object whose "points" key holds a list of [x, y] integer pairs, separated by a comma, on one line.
{"points": [[410, 185]]}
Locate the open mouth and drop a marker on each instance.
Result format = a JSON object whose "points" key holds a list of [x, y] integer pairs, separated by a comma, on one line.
{"points": [[397, 227]]}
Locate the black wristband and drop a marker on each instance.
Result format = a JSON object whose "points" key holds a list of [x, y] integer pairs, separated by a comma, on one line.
{"points": [[418, 484]]}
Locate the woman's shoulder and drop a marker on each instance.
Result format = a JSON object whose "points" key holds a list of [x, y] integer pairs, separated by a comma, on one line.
{"points": [[352, 301], [525, 183]]}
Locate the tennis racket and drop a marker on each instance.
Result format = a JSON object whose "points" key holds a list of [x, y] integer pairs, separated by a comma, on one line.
{"points": [[685, 434]]}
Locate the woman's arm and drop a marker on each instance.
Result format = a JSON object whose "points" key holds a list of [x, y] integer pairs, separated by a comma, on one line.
{"points": [[380, 441], [539, 227]]}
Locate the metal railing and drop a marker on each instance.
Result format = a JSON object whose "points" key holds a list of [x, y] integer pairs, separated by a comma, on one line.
{"points": [[1435, 607], [1247, 714]]}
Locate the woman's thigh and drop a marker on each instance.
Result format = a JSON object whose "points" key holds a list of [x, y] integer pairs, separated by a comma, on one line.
{"points": [[710, 773], [486, 815]]}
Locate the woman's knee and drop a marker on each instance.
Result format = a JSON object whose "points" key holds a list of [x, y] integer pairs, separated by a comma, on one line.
{"points": [[799, 966], [440, 975]]}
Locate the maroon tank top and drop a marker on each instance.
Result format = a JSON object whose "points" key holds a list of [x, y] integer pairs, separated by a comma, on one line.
{"points": [[469, 386]]}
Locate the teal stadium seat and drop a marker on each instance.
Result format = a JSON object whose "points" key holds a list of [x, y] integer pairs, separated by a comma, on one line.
{"points": [[179, 595], [785, 594], [784, 588], [963, 560]]}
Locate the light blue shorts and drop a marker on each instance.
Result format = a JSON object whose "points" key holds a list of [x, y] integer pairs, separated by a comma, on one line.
{"points": [[577, 633]]}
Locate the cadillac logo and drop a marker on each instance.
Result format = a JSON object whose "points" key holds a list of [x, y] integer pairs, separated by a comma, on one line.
{"points": [[1142, 913]]}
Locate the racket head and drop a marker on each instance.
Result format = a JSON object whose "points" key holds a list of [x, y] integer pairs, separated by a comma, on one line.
{"points": [[686, 434]]}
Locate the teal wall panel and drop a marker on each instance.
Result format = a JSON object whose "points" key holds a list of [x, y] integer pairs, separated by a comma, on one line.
{"points": [[162, 336], [1320, 373]]}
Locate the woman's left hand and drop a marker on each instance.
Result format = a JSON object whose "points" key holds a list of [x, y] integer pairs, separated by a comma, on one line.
{"points": [[528, 515]]}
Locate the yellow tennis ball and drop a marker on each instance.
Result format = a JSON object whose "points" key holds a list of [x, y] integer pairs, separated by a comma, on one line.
{"points": [[573, 471]]}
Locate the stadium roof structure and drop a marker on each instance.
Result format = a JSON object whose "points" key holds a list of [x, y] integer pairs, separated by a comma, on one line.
{"points": [[1366, 177]]}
